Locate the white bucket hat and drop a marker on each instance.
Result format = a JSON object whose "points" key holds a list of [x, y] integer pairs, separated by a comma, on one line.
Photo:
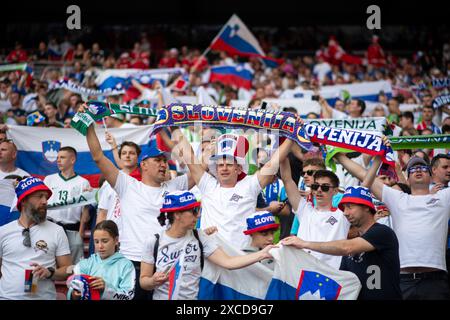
{"points": [[230, 146]]}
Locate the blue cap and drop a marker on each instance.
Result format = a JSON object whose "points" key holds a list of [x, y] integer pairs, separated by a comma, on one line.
{"points": [[260, 221], [357, 195], [179, 201], [151, 152], [16, 89]]}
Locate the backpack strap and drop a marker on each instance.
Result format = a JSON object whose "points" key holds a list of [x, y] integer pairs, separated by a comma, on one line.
{"points": [[202, 257], [155, 248]]}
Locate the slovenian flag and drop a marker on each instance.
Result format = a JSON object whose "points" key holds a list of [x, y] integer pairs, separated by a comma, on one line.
{"points": [[239, 75], [7, 214], [38, 148], [297, 276], [249, 283], [121, 78], [236, 38], [367, 91], [300, 276], [174, 277]]}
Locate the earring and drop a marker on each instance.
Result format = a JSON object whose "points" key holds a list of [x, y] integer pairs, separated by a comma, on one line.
{"points": [[166, 222]]}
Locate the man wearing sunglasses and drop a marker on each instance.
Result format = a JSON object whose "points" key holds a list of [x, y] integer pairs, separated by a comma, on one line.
{"points": [[32, 243], [310, 166], [318, 221], [373, 256], [420, 221]]}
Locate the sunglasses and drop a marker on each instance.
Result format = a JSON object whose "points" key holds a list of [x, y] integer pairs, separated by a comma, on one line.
{"points": [[308, 172], [26, 240], [195, 211], [418, 169], [324, 187]]}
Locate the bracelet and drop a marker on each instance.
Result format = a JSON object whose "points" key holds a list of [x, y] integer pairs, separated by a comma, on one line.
{"points": [[52, 272]]}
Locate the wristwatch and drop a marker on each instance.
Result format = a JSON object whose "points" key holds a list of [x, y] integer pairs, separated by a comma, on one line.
{"points": [[52, 272]]}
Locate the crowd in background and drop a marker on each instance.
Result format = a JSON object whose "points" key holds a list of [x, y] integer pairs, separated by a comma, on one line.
{"points": [[23, 93]]}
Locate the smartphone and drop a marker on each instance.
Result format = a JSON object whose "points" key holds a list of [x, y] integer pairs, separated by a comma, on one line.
{"points": [[264, 105], [315, 98]]}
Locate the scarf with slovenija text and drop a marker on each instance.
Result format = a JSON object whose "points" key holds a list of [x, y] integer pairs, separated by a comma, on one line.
{"points": [[285, 123], [397, 143], [183, 115]]}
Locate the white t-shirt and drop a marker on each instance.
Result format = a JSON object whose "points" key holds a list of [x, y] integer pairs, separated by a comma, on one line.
{"points": [[48, 241], [5, 105], [336, 114], [66, 190], [18, 172], [321, 70], [148, 94], [387, 221], [127, 125], [421, 226], [140, 206], [321, 226], [228, 208], [30, 102], [169, 250], [109, 200]]}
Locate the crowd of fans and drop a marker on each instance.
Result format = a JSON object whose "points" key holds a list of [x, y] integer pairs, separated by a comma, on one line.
{"points": [[335, 213], [22, 93]]}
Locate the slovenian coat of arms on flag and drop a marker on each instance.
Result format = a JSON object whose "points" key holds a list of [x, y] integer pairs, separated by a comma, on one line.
{"points": [[315, 285], [50, 150]]}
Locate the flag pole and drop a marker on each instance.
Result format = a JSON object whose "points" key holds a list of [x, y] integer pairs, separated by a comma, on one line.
{"points": [[209, 47], [194, 68], [104, 124]]}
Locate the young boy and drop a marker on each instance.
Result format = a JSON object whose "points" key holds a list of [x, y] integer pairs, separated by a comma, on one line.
{"points": [[261, 227]]}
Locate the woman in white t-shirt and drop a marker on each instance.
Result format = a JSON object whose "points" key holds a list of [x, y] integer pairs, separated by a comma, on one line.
{"points": [[174, 267]]}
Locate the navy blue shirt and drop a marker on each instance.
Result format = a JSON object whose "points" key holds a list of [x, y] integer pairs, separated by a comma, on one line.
{"points": [[383, 262]]}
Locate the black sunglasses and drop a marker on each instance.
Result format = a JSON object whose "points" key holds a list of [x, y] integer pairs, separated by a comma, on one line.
{"points": [[308, 172], [195, 211], [324, 187], [27, 239]]}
